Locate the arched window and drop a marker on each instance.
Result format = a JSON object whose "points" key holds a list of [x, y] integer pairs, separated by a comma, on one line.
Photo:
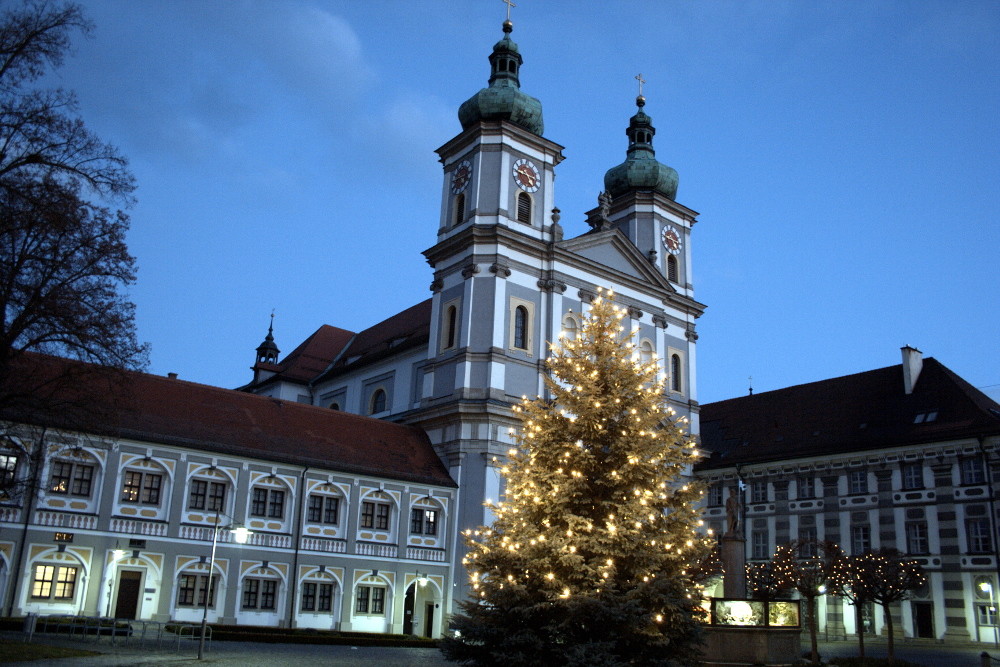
{"points": [[675, 372], [459, 212], [570, 328], [335, 405], [378, 402], [645, 352], [521, 328], [671, 268], [451, 323], [524, 208]]}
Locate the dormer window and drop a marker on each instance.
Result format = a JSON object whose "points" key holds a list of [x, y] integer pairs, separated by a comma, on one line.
{"points": [[378, 402]]}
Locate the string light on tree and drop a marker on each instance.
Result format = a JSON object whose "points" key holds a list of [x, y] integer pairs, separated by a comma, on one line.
{"points": [[599, 523]]}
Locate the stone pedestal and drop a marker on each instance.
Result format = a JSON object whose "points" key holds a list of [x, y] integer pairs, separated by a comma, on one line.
{"points": [[734, 563], [751, 646]]}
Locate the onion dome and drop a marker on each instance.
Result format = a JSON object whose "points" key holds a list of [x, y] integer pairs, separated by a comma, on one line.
{"points": [[641, 170], [503, 99]]}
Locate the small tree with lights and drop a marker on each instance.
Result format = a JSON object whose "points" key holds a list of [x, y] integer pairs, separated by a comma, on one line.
{"points": [[807, 567], [590, 558], [883, 576]]}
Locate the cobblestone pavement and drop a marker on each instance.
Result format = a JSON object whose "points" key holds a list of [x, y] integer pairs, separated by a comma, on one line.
{"points": [[247, 654]]}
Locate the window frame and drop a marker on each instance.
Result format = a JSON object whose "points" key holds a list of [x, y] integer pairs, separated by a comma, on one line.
{"points": [[194, 594], [524, 208], [912, 476], [375, 513], [259, 594], [521, 335], [716, 495], [857, 482], [320, 513], [973, 471], [979, 540], [141, 491], [760, 544], [917, 533], [369, 600], [80, 476], [317, 597], [378, 402], [861, 536], [758, 491], [424, 521], [210, 499], [264, 500], [56, 581], [805, 488]]}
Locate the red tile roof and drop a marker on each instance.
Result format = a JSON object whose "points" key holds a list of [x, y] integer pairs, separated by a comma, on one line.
{"points": [[155, 409], [314, 354], [852, 413]]}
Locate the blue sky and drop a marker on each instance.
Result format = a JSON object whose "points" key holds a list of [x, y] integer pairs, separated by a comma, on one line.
{"points": [[844, 157]]}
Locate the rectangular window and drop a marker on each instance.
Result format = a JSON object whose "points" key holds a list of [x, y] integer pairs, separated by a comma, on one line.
{"points": [[363, 600], [83, 476], [806, 488], [807, 537], [916, 537], [325, 597], [308, 596], [375, 515], [251, 593], [715, 495], [267, 502], [423, 522], [191, 590], [56, 582], [986, 614], [199, 491], [861, 540], [858, 482], [323, 509], [72, 478], [759, 547], [217, 496], [978, 531], [378, 600], [972, 471], [268, 593], [141, 488], [758, 491], [913, 476], [8, 472]]}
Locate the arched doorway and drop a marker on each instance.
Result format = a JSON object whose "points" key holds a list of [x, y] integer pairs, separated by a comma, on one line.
{"points": [[420, 609]]}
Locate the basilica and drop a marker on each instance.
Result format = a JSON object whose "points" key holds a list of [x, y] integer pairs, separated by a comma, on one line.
{"points": [[356, 459]]}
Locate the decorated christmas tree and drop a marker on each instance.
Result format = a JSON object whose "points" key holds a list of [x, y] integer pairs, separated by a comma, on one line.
{"points": [[591, 556]]}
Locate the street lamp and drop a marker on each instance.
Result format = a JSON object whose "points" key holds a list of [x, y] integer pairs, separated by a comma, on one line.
{"points": [[987, 588], [240, 536]]}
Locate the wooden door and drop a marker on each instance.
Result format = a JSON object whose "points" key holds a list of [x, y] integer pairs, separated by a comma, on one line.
{"points": [[129, 583]]}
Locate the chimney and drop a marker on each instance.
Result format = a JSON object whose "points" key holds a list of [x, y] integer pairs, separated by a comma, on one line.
{"points": [[913, 361], [172, 376]]}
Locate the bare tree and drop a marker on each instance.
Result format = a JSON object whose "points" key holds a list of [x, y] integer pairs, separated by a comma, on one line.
{"points": [[883, 576], [807, 567], [63, 258]]}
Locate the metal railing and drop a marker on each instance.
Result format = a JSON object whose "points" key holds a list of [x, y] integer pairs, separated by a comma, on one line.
{"points": [[128, 632]]}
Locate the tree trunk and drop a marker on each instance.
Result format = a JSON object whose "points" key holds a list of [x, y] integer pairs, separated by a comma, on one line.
{"points": [[859, 619], [813, 628], [888, 626]]}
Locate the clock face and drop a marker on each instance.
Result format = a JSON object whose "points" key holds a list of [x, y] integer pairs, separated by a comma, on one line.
{"points": [[460, 177], [526, 175], [672, 240]]}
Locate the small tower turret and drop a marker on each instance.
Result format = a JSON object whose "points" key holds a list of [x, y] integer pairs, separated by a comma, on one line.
{"points": [[267, 356]]}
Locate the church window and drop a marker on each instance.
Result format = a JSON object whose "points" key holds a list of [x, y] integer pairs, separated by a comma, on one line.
{"points": [[672, 268], [450, 327], [521, 328], [378, 402], [645, 352], [524, 208], [459, 212], [675, 372], [570, 328]]}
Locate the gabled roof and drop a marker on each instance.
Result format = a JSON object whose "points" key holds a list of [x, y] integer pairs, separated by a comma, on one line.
{"points": [[612, 249], [154, 409], [405, 330], [858, 412]]}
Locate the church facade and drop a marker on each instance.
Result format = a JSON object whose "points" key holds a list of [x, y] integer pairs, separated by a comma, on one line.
{"points": [[505, 285]]}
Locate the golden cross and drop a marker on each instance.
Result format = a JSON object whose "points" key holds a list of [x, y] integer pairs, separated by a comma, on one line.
{"points": [[638, 77], [509, 3]]}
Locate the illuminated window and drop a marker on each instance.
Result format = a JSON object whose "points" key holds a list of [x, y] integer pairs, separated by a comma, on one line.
{"points": [[54, 582], [75, 479], [142, 488]]}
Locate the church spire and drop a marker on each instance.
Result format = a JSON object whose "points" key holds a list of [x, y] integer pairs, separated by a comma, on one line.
{"points": [[641, 170], [267, 352]]}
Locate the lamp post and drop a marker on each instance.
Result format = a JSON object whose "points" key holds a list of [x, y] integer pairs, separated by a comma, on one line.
{"points": [[987, 588], [240, 535]]}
